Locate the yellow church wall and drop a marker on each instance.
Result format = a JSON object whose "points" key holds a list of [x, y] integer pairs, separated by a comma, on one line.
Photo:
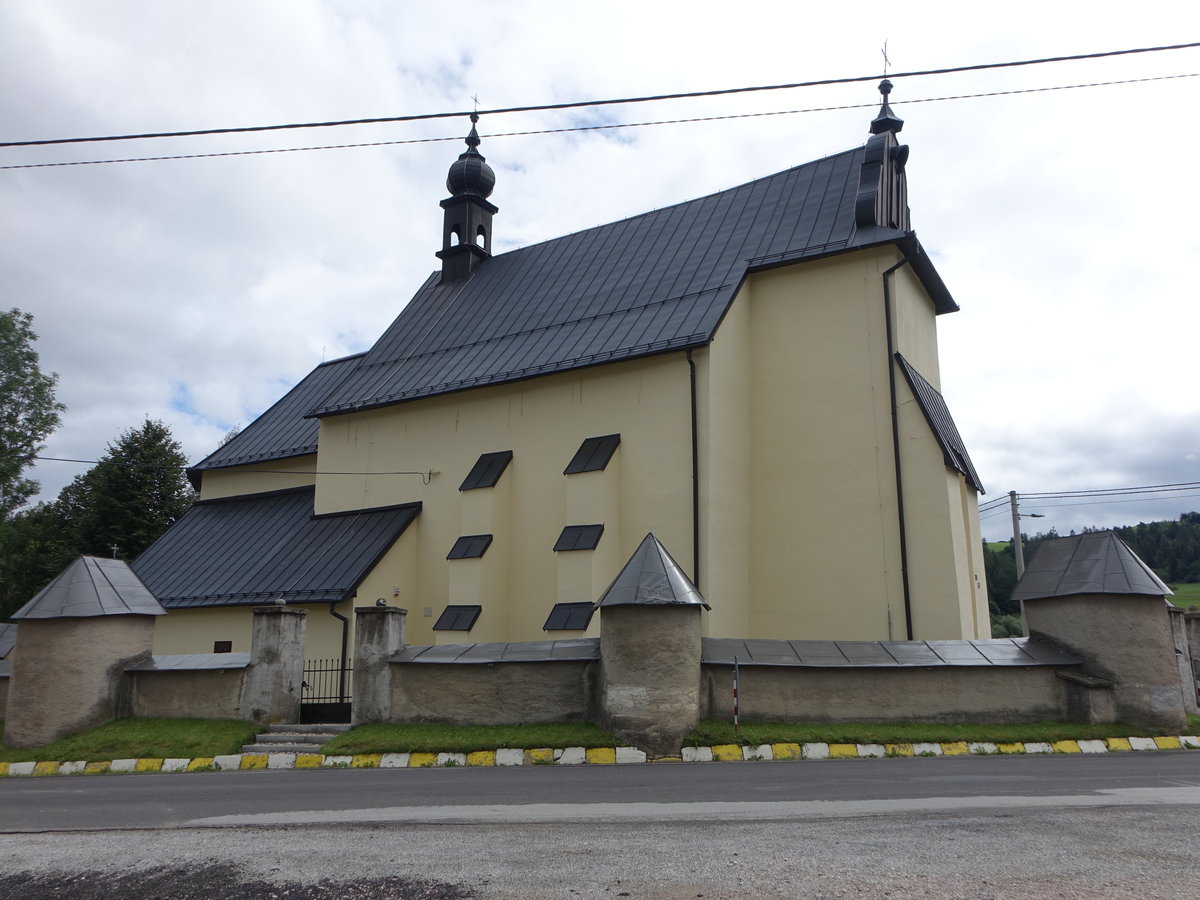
{"points": [[646, 486], [824, 546], [914, 334], [798, 525], [807, 444], [299, 471], [723, 390], [194, 630]]}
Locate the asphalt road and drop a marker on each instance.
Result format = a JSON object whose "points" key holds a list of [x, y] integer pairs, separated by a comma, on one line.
{"points": [[1055, 826]]}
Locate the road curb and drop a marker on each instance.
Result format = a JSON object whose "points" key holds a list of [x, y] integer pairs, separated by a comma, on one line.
{"points": [[575, 756]]}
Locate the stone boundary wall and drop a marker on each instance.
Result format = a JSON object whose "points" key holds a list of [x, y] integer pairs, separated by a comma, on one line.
{"points": [[944, 694]]}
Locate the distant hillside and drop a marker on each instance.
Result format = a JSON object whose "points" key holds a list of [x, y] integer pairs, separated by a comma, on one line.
{"points": [[1171, 549]]}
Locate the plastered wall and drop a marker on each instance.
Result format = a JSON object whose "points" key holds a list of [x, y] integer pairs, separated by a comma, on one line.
{"points": [[259, 478], [496, 694], [949, 694], [210, 694]]}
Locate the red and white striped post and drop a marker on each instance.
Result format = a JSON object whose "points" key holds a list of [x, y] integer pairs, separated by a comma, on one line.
{"points": [[735, 693]]}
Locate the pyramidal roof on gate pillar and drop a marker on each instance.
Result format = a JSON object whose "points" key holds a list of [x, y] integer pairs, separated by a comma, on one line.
{"points": [[1096, 563], [651, 578], [89, 587]]}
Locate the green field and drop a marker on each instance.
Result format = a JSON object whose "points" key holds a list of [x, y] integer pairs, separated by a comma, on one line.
{"points": [[1186, 594]]}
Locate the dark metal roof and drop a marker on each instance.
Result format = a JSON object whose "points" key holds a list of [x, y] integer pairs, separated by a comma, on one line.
{"points": [[651, 578], [91, 586], [652, 283], [524, 651], [941, 423], [192, 662], [882, 654], [8, 639], [259, 547], [1097, 563], [282, 431]]}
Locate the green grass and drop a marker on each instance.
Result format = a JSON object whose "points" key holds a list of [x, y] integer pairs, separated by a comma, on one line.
{"points": [[143, 738], [191, 738], [710, 732], [1186, 594], [997, 546], [466, 738]]}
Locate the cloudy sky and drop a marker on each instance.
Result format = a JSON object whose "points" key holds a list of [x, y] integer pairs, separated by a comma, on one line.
{"points": [[197, 291]]}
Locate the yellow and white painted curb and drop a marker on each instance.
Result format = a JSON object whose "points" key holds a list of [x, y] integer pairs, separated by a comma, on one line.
{"points": [[577, 756]]}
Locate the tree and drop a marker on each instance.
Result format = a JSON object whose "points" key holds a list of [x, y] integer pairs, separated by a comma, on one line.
{"points": [[35, 545], [131, 496], [116, 508], [28, 410]]}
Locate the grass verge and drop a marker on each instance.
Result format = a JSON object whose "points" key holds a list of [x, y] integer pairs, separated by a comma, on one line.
{"points": [[708, 733], [142, 738], [466, 738]]}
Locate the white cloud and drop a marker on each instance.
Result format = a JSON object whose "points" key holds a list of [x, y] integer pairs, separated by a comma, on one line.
{"points": [[199, 290]]}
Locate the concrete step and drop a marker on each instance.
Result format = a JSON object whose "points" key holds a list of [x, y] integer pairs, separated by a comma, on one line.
{"points": [[308, 729], [294, 738], [280, 747]]}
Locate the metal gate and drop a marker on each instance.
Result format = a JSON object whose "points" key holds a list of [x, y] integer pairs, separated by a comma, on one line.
{"points": [[326, 691]]}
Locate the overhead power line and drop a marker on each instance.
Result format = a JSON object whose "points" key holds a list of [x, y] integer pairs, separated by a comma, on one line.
{"points": [[585, 128], [1094, 497], [579, 104]]}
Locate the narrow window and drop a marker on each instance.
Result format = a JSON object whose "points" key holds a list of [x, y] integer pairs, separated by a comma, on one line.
{"points": [[593, 454], [486, 471], [457, 618], [569, 617], [470, 546], [579, 537]]}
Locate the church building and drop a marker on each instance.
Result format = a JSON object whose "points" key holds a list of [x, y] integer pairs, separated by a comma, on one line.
{"points": [[752, 376]]}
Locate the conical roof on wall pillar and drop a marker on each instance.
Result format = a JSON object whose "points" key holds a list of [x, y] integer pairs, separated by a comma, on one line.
{"points": [[91, 586], [1097, 563], [651, 578]]}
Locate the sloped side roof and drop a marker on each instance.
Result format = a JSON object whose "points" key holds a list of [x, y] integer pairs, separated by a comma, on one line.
{"points": [[941, 423], [91, 586], [282, 431], [1096, 563], [8, 638], [259, 547], [651, 578], [648, 284]]}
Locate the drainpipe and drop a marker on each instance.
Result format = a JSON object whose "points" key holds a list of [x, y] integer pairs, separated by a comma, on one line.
{"points": [[891, 364], [695, 477], [342, 668]]}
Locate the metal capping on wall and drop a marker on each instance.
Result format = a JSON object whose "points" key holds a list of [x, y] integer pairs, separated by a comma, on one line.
{"points": [[874, 654]]}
